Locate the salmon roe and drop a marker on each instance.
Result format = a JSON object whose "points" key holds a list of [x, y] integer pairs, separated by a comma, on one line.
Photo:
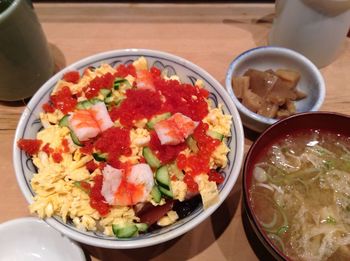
{"points": [[198, 163], [30, 146], [64, 100], [72, 76], [100, 82], [97, 201], [139, 104], [116, 142], [184, 98], [57, 157], [165, 153], [170, 96], [124, 70]]}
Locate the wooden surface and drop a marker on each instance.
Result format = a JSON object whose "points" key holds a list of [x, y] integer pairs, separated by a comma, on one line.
{"points": [[210, 35]]}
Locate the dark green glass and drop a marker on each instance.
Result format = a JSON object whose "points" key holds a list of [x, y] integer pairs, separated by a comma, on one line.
{"points": [[25, 58]]}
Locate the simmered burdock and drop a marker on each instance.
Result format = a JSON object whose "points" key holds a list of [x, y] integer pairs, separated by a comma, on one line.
{"points": [[268, 93]]}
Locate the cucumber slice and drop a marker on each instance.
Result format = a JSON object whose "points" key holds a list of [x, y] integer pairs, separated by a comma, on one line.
{"points": [[75, 139], [151, 159], [124, 232], [162, 177], [174, 170], [99, 156], [78, 185], [166, 192], [82, 105], [192, 144], [118, 81], [155, 193], [157, 118], [64, 121], [93, 101], [142, 227], [109, 99], [215, 135], [105, 92]]}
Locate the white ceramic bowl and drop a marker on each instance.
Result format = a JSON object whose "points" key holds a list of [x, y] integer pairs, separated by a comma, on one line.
{"points": [[29, 125], [271, 57], [27, 239]]}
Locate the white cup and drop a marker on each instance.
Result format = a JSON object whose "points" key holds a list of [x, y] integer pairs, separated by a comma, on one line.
{"points": [[314, 28]]}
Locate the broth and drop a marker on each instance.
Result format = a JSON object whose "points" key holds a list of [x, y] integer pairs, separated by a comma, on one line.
{"points": [[300, 195]]}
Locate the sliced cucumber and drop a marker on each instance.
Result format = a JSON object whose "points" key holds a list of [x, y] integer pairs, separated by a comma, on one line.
{"points": [[151, 159], [78, 185], [75, 139], [162, 177], [99, 156], [174, 170], [124, 232], [215, 135], [142, 227], [109, 99], [155, 193], [93, 101], [105, 92], [64, 121], [192, 144], [82, 105], [166, 192], [118, 81], [157, 118]]}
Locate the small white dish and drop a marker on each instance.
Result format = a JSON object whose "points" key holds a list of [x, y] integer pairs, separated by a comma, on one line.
{"points": [[31, 239], [272, 57]]}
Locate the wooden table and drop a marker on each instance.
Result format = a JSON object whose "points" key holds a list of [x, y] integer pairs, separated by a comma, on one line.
{"points": [[210, 35]]}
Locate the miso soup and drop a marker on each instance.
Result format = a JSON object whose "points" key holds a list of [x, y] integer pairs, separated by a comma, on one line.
{"points": [[300, 195]]}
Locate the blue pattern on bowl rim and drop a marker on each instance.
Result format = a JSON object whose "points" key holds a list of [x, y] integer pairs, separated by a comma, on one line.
{"points": [[188, 72]]}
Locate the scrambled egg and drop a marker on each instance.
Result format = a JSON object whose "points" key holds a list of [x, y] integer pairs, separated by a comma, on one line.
{"points": [[208, 190], [218, 121], [219, 157], [179, 189], [169, 219]]}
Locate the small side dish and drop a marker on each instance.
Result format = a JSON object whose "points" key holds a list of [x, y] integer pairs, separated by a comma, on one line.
{"points": [[126, 150], [268, 93]]}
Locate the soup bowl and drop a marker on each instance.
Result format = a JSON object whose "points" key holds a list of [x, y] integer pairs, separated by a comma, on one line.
{"points": [[30, 124], [327, 122]]}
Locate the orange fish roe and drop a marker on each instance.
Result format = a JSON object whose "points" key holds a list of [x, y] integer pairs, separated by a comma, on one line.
{"points": [[165, 153], [116, 142], [48, 107], [125, 70], [72, 76], [198, 163], [100, 82], [64, 100], [184, 98], [97, 201], [88, 147], [65, 145], [139, 104], [30, 146], [57, 157], [47, 149]]}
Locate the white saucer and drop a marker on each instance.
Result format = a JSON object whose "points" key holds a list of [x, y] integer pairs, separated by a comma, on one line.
{"points": [[32, 239]]}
